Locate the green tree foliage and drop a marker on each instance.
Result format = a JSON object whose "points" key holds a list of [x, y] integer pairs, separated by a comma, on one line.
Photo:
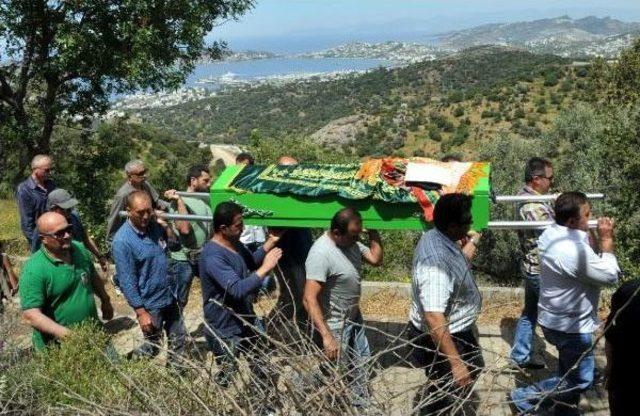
{"points": [[592, 149], [395, 96], [64, 59], [434, 134], [91, 164], [499, 254], [460, 135], [626, 75], [269, 149]]}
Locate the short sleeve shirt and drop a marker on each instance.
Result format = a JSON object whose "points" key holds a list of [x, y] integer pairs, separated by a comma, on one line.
{"points": [[63, 292], [340, 269], [443, 282], [200, 230]]}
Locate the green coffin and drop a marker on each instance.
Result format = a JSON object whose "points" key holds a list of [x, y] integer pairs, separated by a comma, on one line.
{"points": [[288, 210]]}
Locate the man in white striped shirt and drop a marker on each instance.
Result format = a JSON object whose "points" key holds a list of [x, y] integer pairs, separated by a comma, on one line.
{"points": [[445, 305], [571, 276]]}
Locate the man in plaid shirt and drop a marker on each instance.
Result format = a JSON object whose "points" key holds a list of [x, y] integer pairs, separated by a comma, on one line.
{"points": [[539, 179], [445, 305]]}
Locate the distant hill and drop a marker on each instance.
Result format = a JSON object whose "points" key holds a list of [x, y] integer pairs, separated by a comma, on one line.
{"points": [[562, 35], [456, 102]]}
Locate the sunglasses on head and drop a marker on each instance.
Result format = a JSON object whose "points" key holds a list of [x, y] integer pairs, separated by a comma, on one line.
{"points": [[60, 233]]}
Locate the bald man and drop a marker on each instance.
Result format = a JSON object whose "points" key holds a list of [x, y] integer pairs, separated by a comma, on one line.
{"points": [[32, 196], [140, 250], [58, 283], [287, 161]]}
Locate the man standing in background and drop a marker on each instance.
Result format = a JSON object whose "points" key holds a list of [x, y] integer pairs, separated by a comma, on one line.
{"points": [[539, 179], [61, 201], [32, 196], [183, 265], [136, 181]]}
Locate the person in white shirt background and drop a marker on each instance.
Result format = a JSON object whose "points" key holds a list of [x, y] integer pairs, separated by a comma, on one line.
{"points": [[571, 277]]}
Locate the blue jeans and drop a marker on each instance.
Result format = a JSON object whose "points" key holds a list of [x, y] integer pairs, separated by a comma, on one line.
{"points": [[355, 358], [523, 339], [180, 277], [170, 320], [562, 391]]}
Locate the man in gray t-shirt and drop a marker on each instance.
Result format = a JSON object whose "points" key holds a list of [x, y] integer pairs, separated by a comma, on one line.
{"points": [[332, 295]]}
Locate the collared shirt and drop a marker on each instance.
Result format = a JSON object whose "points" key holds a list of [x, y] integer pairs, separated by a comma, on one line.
{"points": [[253, 235], [62, 291], [32, 202], [119, 204], [571, 275], [442, 281], [532, 211], [142, 265]]}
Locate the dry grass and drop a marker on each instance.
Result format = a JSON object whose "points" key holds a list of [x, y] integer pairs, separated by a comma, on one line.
{"points": [[10, 234], [9, 220]]}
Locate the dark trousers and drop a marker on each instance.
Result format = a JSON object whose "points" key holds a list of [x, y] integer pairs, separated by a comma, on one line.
{"points": [[169, 320], [622, 401], [227, 350], [440, 395]]}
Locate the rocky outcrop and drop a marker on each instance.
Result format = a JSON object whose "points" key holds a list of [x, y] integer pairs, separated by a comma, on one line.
{"points": [[341, 131]]}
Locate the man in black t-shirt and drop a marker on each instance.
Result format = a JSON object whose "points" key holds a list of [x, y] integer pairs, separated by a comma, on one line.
{"points": [[621, 347]]}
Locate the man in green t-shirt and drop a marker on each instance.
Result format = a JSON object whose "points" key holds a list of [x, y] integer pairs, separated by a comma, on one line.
{"points": [[58, 282], [193, 235]]}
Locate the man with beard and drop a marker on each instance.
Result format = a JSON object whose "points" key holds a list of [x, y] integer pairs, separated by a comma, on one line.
{"points": [[193, 235]]}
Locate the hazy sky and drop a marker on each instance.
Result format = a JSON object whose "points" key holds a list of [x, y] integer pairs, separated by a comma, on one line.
{"points": [[277, 18], [305, 25]]}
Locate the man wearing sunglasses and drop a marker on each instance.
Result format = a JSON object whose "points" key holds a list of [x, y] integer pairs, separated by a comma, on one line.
{"points": [[538, 178], [32, 196], [136, 181], [58, 284]]}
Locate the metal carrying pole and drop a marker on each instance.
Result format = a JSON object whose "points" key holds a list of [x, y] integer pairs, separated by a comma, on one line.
{"points": [[200, 195], [493, 225], [497, 198], [179, 217], [537, 198], [527, 225]]}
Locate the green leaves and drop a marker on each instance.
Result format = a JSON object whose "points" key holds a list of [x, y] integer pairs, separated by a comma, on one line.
{"points": [[68, 57]]}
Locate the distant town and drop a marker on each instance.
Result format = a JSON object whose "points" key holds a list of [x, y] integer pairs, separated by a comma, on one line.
{"points": [[582, 39]]}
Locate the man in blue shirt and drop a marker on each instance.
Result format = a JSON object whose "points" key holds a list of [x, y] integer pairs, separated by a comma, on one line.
{"points": [[32, 196], [140, 252], [230, 276]]}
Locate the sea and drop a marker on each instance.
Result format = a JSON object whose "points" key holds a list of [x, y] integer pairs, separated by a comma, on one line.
{"points": [[216, 74], [291, 66]]}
